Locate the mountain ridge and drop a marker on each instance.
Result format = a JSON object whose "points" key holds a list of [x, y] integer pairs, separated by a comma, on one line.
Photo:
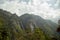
{"points": [[19, 25]]}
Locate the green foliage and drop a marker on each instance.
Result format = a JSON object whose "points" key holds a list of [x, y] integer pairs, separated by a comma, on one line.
{"points": [[4, 34], [10, 27], [38, 34]]}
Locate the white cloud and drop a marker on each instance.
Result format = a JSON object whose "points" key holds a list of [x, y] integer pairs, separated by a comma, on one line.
{"points": [[37, 8]]}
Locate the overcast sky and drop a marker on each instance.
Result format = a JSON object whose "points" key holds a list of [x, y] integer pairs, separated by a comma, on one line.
{"points": [[48, 9]]}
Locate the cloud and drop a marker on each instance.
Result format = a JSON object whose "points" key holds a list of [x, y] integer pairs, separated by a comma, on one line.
{"points": [[2, 1], [37, 7], [55, 3]]}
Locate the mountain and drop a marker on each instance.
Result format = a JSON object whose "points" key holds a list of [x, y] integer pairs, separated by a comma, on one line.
{"points": [[47, 26], [9, 23], [25, 27]]}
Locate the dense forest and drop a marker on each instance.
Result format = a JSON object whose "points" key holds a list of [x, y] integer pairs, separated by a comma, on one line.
{"points": [[26, 27]]}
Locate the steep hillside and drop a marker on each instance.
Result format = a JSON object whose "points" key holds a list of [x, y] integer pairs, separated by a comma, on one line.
{"points": [[25, 27], [8, 25], [29, 20]]}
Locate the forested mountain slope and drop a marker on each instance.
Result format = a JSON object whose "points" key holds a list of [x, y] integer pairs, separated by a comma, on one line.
{"points": [[25, 27]]}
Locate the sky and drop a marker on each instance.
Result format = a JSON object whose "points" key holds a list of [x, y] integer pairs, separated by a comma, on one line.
{"points": [[47, 9]]}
